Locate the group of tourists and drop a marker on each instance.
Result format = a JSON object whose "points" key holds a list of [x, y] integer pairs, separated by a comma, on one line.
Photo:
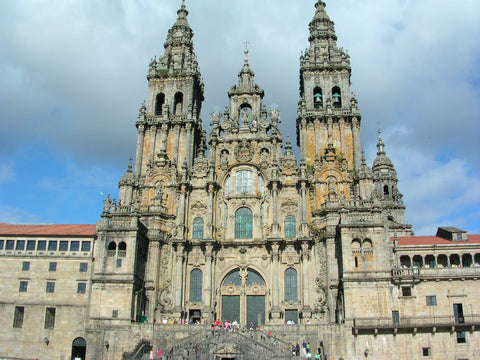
{"points": [[306, 350]]}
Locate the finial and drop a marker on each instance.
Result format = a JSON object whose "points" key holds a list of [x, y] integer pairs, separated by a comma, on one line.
{"points": [[380, 144], [130, 165], [246, 51], [183, 4]]}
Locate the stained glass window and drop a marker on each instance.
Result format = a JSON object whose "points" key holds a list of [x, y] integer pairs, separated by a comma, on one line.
{"points": [[244, 184], [243, 223], [290, 226], [198, 228], [196, 280], [291, 292]]}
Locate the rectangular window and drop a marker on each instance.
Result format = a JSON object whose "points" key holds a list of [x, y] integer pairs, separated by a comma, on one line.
{"points": [[458, 313], [74, 245], [26, 266], [119, 262], [86, 246], [426, 351], [115, 313], [406, 291], [63, 246], [396, 318], [50, 318], [41, 245], [81, 288], [2, 244], [23, 286], [461, 337], [20, 245], [52, 266], [52, 245], [50, 287], [10, 245], [244, 183], [432, 300], [83, 267], [18, 316], [31, 245]]}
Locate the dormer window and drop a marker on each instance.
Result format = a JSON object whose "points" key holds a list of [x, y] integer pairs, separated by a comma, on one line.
{"points": [[317, 98], [337, 97]]}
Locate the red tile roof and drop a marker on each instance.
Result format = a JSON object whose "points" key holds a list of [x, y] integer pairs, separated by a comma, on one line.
{"points": [[434, 240], [47, 230]]}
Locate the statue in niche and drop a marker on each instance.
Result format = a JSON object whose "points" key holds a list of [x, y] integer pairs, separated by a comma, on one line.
{"points": [[224, 158], [245, 117], [331, 188]]}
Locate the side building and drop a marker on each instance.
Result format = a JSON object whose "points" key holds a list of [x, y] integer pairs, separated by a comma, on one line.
{"points": [[45, 290]]}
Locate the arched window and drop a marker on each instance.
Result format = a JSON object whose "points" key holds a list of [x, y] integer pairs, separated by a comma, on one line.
{"points": [[254, 278], [198, 228], [337, 97], [159, 101], [243, 223], [122, 249], [261, 184], [244, 183], [196, 280], [234, 279], [112, 249], [290, 227], [386, 190], [178, 106], [317, 98], [291, 288], [417, 261], [227, 186]]}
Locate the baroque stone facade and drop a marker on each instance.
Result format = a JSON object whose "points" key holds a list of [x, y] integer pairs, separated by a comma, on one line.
{"points": [[233, 227]]}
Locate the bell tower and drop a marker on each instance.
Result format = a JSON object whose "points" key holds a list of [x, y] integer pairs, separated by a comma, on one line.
{"points": [[169, 125], [328, 122]]}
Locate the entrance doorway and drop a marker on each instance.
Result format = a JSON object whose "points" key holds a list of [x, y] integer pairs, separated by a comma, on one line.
{"points": [[79, 349], [243, 298]]}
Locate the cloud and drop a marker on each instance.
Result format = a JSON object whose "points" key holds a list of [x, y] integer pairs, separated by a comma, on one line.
{"points": [[15, 215], [73, 75], [7, 172]]}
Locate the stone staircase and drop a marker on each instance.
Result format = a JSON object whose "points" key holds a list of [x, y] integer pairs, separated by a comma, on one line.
{"points": [[219, 345]]}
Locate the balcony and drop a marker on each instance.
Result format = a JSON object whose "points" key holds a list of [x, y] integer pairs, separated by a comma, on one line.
{"points": [[414, 324], [435, 273]]}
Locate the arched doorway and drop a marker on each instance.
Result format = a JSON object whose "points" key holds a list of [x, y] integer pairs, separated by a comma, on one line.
{"points": [[79, 349], [243, 297]]}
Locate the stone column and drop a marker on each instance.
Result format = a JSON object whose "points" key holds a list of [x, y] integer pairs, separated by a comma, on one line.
{"points": [[175, 147], [276, 311], [275, 226], [151, 282], [153, 135], [179, 257], [316, 126], [307, 309], [181, 212], [357, 156], [189, 150], [208, 284], [163, 144], [139, 155]]}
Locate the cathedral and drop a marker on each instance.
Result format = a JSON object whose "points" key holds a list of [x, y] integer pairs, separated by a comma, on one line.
{"points": [[230, 226]]}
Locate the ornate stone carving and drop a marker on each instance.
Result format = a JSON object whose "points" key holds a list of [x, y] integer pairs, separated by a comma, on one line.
{"points": [[243, 152]]}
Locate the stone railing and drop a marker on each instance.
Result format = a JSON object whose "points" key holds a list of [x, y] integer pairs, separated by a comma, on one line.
{"points": [[436, 272], [373, 323]]}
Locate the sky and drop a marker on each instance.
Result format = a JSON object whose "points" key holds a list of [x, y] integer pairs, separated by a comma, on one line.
{"points": [[73, 76]]}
